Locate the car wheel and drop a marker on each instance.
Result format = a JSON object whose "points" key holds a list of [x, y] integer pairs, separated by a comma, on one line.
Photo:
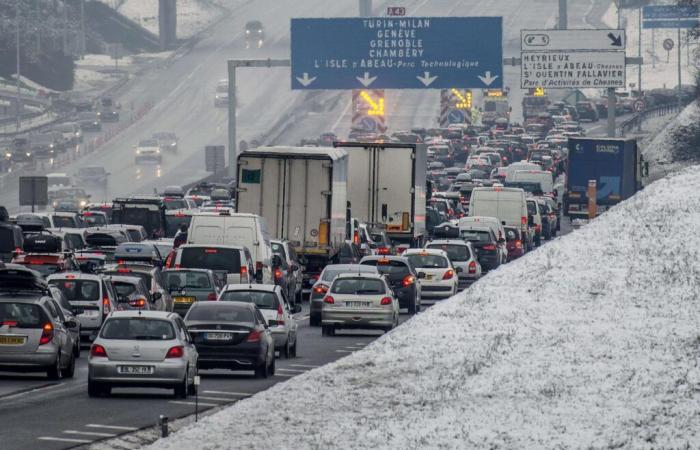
{"points": [[286, 351], [262, 370], [413, 307], [271, 370], [182, 388], [192, 388], [293, 350], [76, 350], [70, 370], [314, 320], [54, 372]]}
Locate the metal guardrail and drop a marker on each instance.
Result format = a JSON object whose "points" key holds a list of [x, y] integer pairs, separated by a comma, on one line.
{"points": [[638, 119]]}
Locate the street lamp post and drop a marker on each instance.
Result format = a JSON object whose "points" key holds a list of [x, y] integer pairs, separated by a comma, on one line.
{"points": [[18, 102]]}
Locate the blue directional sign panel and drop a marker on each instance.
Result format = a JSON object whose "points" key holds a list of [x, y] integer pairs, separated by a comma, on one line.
{"points": [[397, 53], [670, 16]]}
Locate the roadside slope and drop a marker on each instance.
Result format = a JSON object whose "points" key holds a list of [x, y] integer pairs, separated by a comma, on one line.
{"points": [[591, 341]]}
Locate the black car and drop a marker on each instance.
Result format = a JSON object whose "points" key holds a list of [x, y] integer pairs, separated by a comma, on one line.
{"points": [[485, 244], [254, 34], [231, 335], [11, 239], [587, 111], [402, 277]]}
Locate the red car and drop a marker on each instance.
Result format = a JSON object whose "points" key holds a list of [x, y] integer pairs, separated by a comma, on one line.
{"points": [[514, 243]]}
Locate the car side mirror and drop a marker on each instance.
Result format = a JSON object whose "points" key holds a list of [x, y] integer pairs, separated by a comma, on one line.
{"points": [[460, 270], [297, 308], [501, 241], [71, 323], [259, 276], [156, 296], [421, 275], [294, 267]]}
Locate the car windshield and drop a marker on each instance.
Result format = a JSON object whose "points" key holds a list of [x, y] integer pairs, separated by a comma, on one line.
{"points": [[454, 251], [221, 259], [218, 312], [95, 220], [278, 249], [78, 290], [64, 222], [393, 268], [262, 299], [128, 272], [527, 186], [428, 261], [23, 314], [358, 286], [186, 279], [148, 143], [138, 328], [475, 236]]}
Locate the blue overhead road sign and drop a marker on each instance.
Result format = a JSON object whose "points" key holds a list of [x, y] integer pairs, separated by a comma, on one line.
{"points": [[670, 16], [397, 53]]}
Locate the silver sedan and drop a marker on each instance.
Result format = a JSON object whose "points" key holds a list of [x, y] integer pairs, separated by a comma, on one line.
{"points": [[143, 349]]}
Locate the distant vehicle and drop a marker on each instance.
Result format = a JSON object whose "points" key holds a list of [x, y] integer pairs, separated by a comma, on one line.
{"points": [[254, 34], [70, 131], [20, 150], [148, 212], [92, 175], [462, 256], [484, 243], [166, 140], [232, 264], [402, 278], [587, 111], [148, 150], [188, 286], [45, 145], [89, 121], [437, 276], [107, 110], [58, 179], [74, 198], [160, 338], [221, 94]]}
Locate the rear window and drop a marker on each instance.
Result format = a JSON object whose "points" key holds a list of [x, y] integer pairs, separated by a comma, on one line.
{"points": [[78, 290], [220, 313], [44, 269], [389, 267], [330, 273], [64, 222], [7, 240], [184, 279], [175, 203], [358, 286], [147, 279], [173, 222], [428, 261], [138, 329], [263, 300], [278, 249], [124, 288], [475, 236], [25, 315], [221, 259], [95, 220], [454, 252]]}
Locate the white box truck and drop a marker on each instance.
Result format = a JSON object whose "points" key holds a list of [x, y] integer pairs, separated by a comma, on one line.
{"points": [[386, 185], [302, 194]]}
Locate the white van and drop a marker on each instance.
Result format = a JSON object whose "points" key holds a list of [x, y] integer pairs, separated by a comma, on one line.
{"points": [[506, 204], [520, 165], [241, 229], [541, 177]]}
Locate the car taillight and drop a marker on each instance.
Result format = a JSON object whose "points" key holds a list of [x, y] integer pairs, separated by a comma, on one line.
{"points": [[46, 334], [98, 351], [280, 316], [356, 238], [211, 296], [244, 273], [383, 250], [489, 247], [518, 244], [385, 301], [328, 299], [253, 336], [176, 352], [278, 274], [538, 228], [106, 308], [258, 266], [408, 280], [448, 275], [321, 289], [523, 220], [9, 323], [472, 267], [138, 303]]}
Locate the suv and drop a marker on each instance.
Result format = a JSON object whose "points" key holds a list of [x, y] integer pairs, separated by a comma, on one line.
{"points": [[148, 150], [402, 277], [152, 277], [92, 175], [34, 334], [92, 294], [462, 256], [485, 244], [587, 111], [295, 273]]}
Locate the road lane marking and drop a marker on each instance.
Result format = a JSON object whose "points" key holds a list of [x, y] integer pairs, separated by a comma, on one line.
{"points": [[193, 403], [240, 394], [111, 427], [217, 399], [76, 441], [363, 344], [290, 370], [354, 347], [304, 365], [344, 351], [90, 433]]}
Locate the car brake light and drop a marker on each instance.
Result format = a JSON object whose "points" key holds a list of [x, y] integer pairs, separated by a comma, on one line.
{"points": [[472, 267], [258, 266], [385, 301], [518, 244], [46, 334], [328, 299], [321, 289], [244, 272], [253, 336], [408, 280], [10, 323], [98, 351], [278, 274], [448, 275], [383, 250], [176, 352], [122, 270], [138, 303], [211, 296], [106, 306], [489, 247], [523, 220]]}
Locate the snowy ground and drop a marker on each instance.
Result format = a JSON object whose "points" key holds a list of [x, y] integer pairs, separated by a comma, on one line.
{"points": [[192, 15], [590, 341]]}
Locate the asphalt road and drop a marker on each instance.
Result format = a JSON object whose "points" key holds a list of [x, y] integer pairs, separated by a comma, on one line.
{"points": [[37, 413]]}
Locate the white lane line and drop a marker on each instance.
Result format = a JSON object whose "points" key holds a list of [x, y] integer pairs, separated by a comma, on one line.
{"points": [[304, 365], [353, 347], [240, 394], [193, 403], [286, 375], [217, 399], [344, 351], [290, 370], [77, 441], [89, 433], [111, 427]]}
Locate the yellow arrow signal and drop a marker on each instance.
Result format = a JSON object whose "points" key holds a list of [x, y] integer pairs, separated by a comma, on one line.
{"points": [[465, 101], [376, 108]]}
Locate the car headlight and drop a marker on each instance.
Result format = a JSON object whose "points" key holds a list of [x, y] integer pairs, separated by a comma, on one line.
{"points": [[28, 154], [173, 144], [50, 145], [247, 31], [138, 152], [259, 31], [55, 204], [8, 155], [83, 203], [158, 152]]}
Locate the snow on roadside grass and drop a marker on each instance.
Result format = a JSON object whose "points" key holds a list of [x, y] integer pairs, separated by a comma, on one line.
{"points": [[591, 341]]}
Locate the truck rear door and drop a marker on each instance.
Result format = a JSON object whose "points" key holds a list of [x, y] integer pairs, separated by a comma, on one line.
{"points": [[307, 200]]}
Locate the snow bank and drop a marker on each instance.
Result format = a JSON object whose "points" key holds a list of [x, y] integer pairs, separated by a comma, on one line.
{"points": [[591, 341]]}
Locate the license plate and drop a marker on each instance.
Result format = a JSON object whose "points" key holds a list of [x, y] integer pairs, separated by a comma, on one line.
{"points": [[12, 340], [218, 336], [428, 277], [135, 370], [89, 313], [184, 300], [357, 304]]}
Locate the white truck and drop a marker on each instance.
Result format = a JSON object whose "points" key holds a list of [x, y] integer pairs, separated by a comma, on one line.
{"points": [[302, 194], [386, 186]]}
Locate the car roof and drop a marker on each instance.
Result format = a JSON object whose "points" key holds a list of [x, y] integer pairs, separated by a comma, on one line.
{"points": [[125, 279], [188, 269], [423, 251], [232, 247], [370, 275], [449, 242], [148, 314], [378, 257], [251, 287], [75, 276]]}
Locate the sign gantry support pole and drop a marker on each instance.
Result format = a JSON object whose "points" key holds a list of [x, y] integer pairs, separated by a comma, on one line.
{"points": [[233, 64]]}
